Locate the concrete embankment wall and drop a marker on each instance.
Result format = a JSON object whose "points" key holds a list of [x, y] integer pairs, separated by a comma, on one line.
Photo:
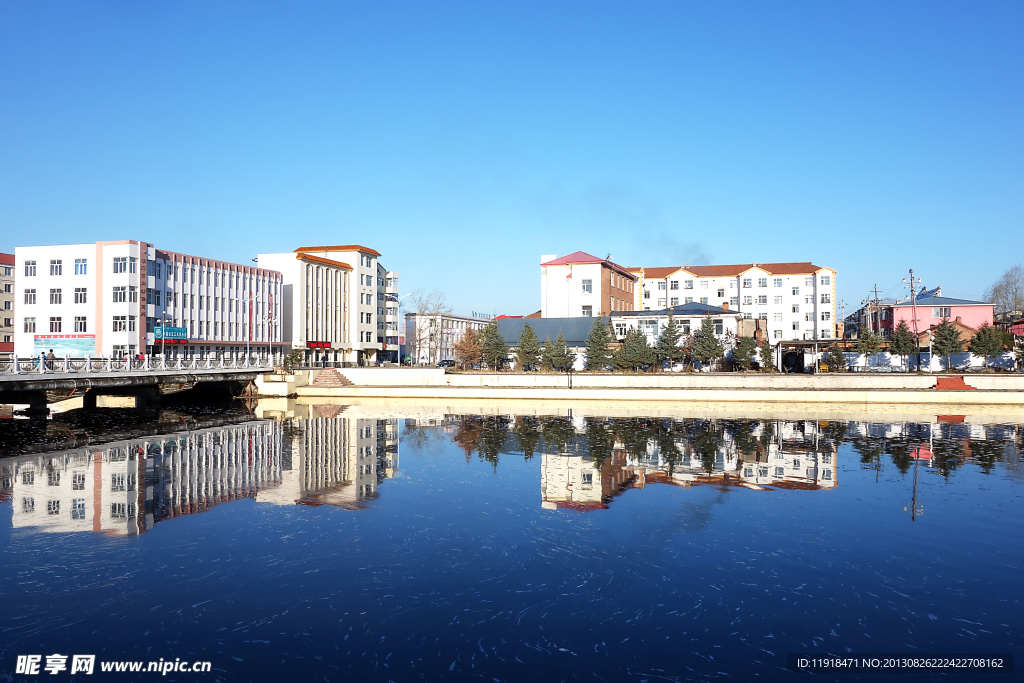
{"points": [[851, 388]]}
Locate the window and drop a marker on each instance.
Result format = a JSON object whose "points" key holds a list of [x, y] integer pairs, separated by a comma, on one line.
{"points": [[940, 311], [827, 315], [685, 326], [688, 284], [747, 283], [158, 270], [120, 264], [688, 300], [30, 268], [80, 266], [661, 301], [796, 325], [674, 301], [703, 284], [647, 295], [133, 264], [777, 300], [133, 295], [826, 280], [777, 334], [120, 323], [55, 325], [748, 301], [80, 325], [826, 298], [796, 291], [80, 296], [809, 281], [674, 284], [826, 334], [808, 316], [55, 267], [131, 323], [777, 282], [796, 308], [587, 286], [718, 326], [55, 296], [809, 299], [30, 296], [588, 311], [78, 508], [156, 297], [734, 301], [777, 317], [30, 325], [762, 282], [763, 299], [661, 285], [747, 316], [120, 295], [721, 292]]}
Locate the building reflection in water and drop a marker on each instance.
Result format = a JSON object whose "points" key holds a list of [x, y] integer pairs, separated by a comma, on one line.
{"points": [[127, 487]]}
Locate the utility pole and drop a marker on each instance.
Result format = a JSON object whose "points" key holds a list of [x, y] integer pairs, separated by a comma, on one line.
{"points": [[878, 322], [842, 316], [911, 282]]}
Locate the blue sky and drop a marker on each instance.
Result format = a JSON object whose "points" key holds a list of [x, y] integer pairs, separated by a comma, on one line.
{"points": [[464, 140]]}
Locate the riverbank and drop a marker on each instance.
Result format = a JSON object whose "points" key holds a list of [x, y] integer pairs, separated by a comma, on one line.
{"points": [[854, 389]]}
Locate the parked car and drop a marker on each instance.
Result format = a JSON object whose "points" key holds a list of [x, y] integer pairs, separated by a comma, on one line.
{"points": [[447, 363]]}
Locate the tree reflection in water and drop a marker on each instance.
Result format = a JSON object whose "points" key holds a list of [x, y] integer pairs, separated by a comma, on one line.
{"points": [[603, 456]]}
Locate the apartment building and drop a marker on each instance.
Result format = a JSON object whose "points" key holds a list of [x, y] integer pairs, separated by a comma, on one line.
{"points": [[6, 306], [797, 301], [583, 286], [430, 339], [128, 297], [335, 303]]}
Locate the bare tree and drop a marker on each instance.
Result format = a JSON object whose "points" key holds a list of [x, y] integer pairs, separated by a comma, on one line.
{"points": [[432, 308], [1007, 293]]}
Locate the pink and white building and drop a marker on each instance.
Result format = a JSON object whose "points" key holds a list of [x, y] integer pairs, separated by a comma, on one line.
{"points": [[108, 298]]}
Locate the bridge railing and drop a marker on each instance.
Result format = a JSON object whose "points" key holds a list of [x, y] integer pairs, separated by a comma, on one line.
{"points": [[110, 364]]}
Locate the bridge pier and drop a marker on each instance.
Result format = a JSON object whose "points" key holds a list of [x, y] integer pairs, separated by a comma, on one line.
{"points": [[89, 401], [37, 406]]}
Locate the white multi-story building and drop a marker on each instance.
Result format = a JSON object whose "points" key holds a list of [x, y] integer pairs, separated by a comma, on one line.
{"points": [[583, 286], [431, 339], [118, 298], [339, 303], [797, 300]]}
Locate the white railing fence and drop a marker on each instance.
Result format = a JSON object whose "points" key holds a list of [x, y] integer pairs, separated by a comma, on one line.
{"points": [[67, 365]]}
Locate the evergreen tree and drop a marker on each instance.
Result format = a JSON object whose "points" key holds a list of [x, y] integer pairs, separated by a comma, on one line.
{"points": [[495, 350], [528, 351], [634, 350], [868, 344], [560, 357], [546, 360], [707, 348], [902, 343], [986, 342], [743, 353], [598, 353], [836, 359], [766, 354], [946, 340], [667, 348]]}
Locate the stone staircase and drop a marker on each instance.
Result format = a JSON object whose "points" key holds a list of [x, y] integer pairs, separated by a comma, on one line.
{"points": [[330, 377]]}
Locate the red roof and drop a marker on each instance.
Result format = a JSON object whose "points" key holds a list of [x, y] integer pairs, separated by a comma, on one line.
{"points": [[795, 268], [343, 247], [7, 259], [581, 257], [325, 261]]}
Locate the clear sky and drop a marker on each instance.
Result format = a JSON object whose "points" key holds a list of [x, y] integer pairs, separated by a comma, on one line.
{"points": [[464, 140]]}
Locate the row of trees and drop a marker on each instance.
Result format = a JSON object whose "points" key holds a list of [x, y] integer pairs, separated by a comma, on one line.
{"points": [[986, 343], [673, 346]]}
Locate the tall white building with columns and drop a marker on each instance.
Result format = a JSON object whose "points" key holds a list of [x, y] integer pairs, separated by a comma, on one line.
{"points": [[339, 303]]}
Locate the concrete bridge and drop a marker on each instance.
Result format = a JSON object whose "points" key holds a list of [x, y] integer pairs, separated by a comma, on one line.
{"points": [[39, 382]]}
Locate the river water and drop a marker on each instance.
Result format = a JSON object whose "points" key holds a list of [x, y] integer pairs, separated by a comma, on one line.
{"points": [[349, 543]]}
